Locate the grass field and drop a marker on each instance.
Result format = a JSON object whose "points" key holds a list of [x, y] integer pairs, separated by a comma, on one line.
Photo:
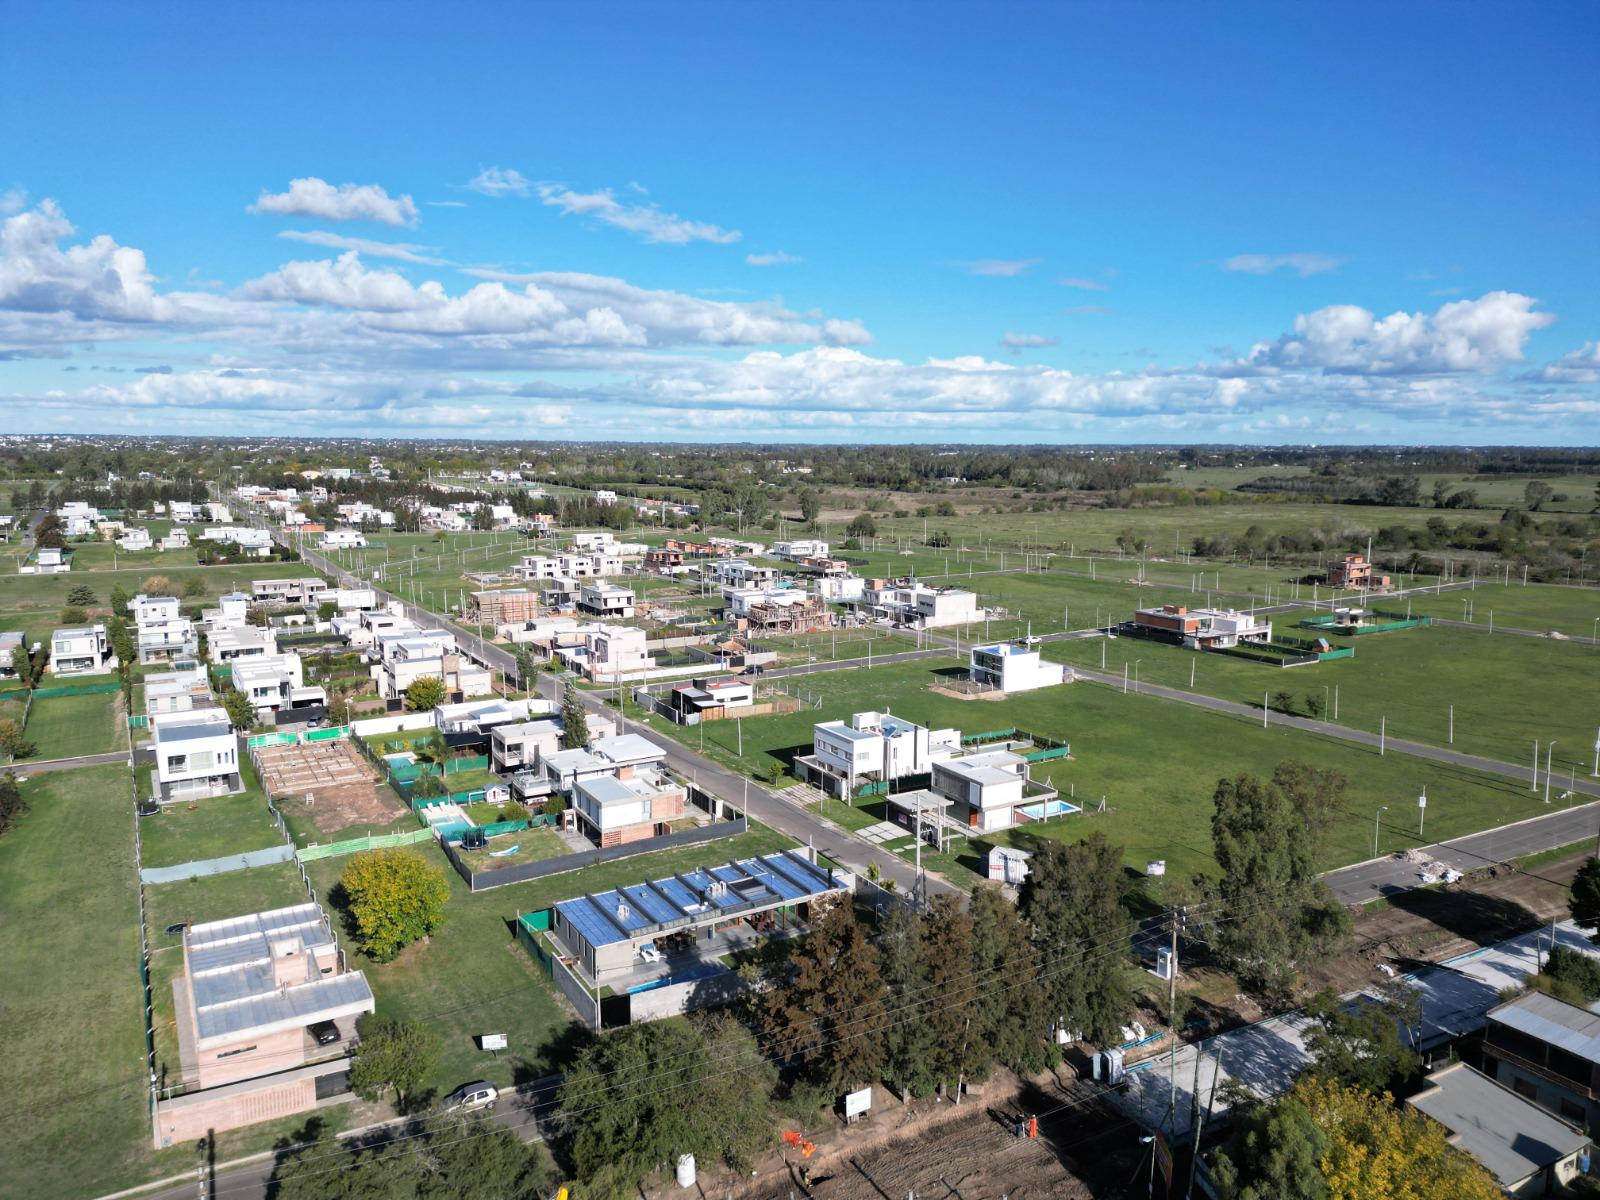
{"points": [[1155, 762], [75, 1066], [214, 827], [1573, 611], [67, 726], [472, 977], [532, 846], [1506, 691]]}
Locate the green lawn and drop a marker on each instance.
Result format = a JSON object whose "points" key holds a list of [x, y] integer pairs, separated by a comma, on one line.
{"points": [[1539, 606], [1506, 691], [67, 726], [1156, 762], [532, 846], [213, 827], [75, 1064], [473, 977]]}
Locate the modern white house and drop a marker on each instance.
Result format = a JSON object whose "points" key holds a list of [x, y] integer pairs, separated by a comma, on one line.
{"points": [[176, 539], [873, 747], [81, 650], [47, 560], [1202, 628], [274, 682], [197, 755], [176, 692], [911, 603], [1012, 668], [244, 641], [604, 599], [232, 612], [801, 548], [161, 634], [305, 590], [135, 539], [342, 539]]}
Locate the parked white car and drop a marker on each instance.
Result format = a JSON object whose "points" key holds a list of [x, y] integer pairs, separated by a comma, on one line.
{"points": [[472, 1096]]}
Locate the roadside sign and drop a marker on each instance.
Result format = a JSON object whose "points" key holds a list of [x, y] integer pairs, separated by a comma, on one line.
{"points": [[492, 1041], [856, 1103]]}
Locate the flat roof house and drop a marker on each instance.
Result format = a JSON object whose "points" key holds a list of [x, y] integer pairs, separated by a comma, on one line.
{"points": [[688, 920], [197, 754], [522, 745], [244, 641], [981, 792], [135, 539], [604, 599], [275, 683], [176, 692], [1201, 628], [873, 746], [81, 650], [342, 539], [251, 989], [306, 590], [1529, 1152], [1012, 668], [161, 634]]}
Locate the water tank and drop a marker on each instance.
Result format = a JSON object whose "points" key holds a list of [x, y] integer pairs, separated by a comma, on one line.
{"points": [[686, 1175]]}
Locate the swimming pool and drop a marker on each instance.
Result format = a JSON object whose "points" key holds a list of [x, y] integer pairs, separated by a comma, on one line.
{"points": [[689, 975], [1046, 809]]}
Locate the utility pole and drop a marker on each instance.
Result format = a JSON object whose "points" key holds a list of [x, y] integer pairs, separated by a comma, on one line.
{"points": [[1549, 753], [1216, 1078], [1172, 1022], [1534, 786]]}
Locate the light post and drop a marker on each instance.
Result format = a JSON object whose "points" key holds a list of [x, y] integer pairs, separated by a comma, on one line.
{"points": [[1549, 752], [1422, 809], [1383, 809], [1136, 663]]}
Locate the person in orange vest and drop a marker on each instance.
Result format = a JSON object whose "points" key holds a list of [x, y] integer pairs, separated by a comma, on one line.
{"points": [[1033, 1127]]}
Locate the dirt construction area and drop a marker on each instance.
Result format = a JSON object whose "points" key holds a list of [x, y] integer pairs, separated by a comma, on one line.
{"points": [[934, 1150], [329, 783]]}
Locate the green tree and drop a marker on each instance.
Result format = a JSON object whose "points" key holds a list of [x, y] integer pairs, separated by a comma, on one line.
{"points": [[953, 1048], [327, 610], [904, 971], [194, 587], [1364, 1044], [1013, 1020], [1274, 912], [395, 1056], [1283, 701], [73, 616], [1071, 901], [862, 526], [241, 713], [394, 897], [1584, 903], [13, 741], [826, 1020], [424, 693], [1273, 1154], [1317, 793], [644, 1094], [1579, 972], [574, 719], [21, 662], [1537, 494], [1314, 705], [810, 506], [81, 596], [119, 600], [12, 804]]}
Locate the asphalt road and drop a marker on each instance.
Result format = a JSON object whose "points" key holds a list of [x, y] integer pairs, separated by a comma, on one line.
{"points": [[49, 765]]}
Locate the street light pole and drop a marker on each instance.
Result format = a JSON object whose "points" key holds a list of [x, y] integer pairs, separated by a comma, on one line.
{"points": [[1422, 809], [1549, 752], [1382, 809]]}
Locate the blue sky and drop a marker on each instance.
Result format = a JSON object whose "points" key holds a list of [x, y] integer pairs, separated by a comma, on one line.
{"points": [[1072, 222]]}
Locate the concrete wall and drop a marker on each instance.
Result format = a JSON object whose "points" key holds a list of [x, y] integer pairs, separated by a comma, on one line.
{"points": [[684, 997], [378, 725], [261, 1056], [189, 1118]]}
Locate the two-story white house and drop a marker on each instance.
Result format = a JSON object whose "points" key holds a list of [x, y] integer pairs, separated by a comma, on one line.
{"points": [[342, 539], [197, 754], [81, 650], [873, 747], [134, 540], [161, 634], [274, 682], [604, 599]]}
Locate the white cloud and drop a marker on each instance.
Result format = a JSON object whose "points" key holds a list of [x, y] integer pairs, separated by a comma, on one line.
{"points": [[13, 200], [1579, 366], [1303, 263], [1000, 267], [501, 181], [777, 258], [1087, 310], [1087, 285], [1468, 335], [445, 203], [1018, 342], [648, 221], [404, 251], [98, 280], [313, 197]]}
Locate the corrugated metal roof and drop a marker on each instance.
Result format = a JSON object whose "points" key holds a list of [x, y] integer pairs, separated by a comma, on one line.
{"points": [[1510, 1136], [286, 1007], [1573, 1029]]}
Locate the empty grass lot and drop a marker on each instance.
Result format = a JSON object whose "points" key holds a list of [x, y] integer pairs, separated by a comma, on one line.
{"points": [[214, 827], [1506, 691], [69, 726], [1573, 611], [473, 977], [74, 1068], [1155, 761]]}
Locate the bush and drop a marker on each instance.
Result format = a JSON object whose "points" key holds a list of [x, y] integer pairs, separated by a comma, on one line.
{"points": [[73, 616]]}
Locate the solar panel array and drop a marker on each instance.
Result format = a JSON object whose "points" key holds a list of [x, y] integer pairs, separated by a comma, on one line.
{"points": [[692, 897]]}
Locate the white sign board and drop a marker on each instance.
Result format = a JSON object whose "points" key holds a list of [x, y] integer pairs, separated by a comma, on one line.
{"points": [[1422, 802], [493, 1041], [856, 1103]]}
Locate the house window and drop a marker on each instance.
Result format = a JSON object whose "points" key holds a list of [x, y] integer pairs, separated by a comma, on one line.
{"points": [[1525, 1088], [177, 762], [1573, 1112]]}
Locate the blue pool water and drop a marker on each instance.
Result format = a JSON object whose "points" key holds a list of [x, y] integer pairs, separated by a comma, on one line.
{"points": [[703, 971], [1047, 808]]}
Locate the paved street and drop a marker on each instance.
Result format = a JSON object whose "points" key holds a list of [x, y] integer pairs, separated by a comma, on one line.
{"points": [[50, 765]]}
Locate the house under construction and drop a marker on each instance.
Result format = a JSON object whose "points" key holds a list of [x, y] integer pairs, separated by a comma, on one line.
{"points": [[787, 614]]}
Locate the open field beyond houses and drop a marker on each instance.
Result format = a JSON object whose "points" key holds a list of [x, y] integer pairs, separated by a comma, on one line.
{"points": [[1155, 762]]}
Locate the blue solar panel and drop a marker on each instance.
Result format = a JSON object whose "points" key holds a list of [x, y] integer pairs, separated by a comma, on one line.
{"points": [[648, 902]]}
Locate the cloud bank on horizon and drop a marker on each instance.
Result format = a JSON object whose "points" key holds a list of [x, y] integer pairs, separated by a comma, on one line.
{"points": [[431, 342]]}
